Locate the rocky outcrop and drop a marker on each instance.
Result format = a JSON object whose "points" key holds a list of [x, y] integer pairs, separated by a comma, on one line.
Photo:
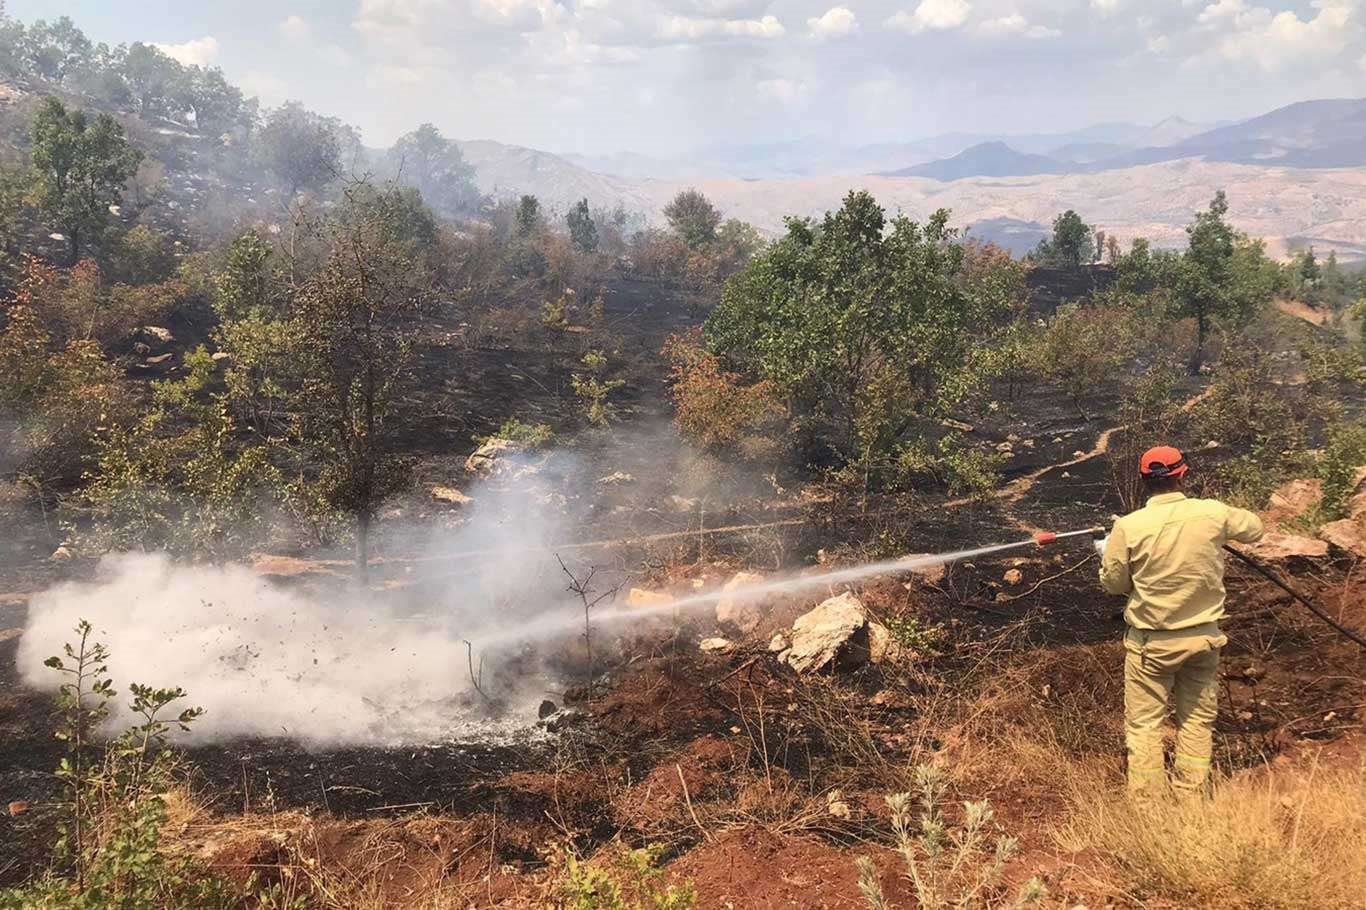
{"points": [[1277, 546], [486, 459], [1348, 535], [1293, 499]]}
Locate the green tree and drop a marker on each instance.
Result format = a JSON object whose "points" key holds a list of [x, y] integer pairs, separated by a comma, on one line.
{"points": [[437, 168], [152, 77], [214, 103], [693, 217], [1072, 244], [1222, 274], [302, 149], [82, 166], [528, 216], [54, 50], [866, 330], [353, 327], [583, 233]]}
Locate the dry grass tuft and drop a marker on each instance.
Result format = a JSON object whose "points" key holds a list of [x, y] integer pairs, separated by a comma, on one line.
{"points": [[1285, 839]]}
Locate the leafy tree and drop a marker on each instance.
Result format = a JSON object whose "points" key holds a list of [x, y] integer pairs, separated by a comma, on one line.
{"points": [[141, 256], [353, 327], [214, 103], [152, 77], [582, 231], [594, 391], [437, 168], [693, 217], [1072, 244], [249, 296], [82, 165], [528, 216], [740, 238], [1223, 274], [302, 149], [54, 50], [865, 329]]}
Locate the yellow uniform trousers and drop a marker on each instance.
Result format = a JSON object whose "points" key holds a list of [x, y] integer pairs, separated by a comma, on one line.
{"points": [[1176, 671]]}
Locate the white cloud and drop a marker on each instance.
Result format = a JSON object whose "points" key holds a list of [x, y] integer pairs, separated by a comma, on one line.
{"points": [[1015, 24], [837, 22], [199, 52], [932, 15], [1105, 6], [694, 29], [1273, 41], [296, 28]]}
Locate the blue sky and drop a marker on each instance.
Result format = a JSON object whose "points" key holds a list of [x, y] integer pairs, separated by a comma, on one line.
{"points": [[664, 76]]}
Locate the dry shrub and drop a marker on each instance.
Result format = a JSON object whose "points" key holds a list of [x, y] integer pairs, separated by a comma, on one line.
{"points": [[1290, 839], [715, 408]]}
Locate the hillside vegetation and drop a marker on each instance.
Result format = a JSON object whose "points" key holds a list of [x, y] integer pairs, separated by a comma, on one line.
{"points": [[379, 537]]}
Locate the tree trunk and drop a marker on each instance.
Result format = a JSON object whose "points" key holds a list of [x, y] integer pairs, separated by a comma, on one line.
{"points": [[1198, 356], [363, 548], [74, 238]]}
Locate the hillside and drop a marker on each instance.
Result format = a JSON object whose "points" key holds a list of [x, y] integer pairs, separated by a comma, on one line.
{"points": [[988, 159]]}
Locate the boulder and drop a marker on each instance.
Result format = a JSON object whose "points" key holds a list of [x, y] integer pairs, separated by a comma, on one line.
{"points": [[450, 496], [714, 645], [1348, 534], [1292, 499], [832, 636], [157, 333], [778, 644], [640, 597], [61, 554], [1356, 505], [486, 458], [1276, 546], [737, 607]]}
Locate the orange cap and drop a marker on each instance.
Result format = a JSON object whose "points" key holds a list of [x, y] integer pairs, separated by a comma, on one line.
{"points": [[1163, 461]]}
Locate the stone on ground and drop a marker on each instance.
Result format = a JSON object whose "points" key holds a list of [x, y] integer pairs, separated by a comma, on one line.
{"points": [[640, 597], [832, 636], [714, 645], [778, 643], [486, 458], [1293, 499], [1348, 534], [1013, 577], [450, 496], [736, 608], [882, 647], [1276, 546]]}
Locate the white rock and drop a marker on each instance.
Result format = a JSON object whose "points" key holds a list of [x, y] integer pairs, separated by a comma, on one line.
{"points": [[778, 643], [714, 645], [451, 496], [834, 634]]}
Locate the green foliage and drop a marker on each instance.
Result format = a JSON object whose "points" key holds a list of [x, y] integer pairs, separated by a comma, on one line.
{"points": [[176, 480], [1011, 356], [1072, 244], [435, 166], [866, 330], [1083, 347], [583, 233], [302, 149], [82, 165], [593, 391], [141, 255], [528, 216], [529, 436], [947, 868], [693, 218], [1343, 455], [628, 880], [555, 313], [109, 849], [914, 635]]}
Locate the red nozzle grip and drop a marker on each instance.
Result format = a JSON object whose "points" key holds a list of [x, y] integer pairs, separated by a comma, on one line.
{"points": [[1045, 537]]}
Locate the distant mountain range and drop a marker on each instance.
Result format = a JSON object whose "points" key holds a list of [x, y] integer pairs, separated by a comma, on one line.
{"points": [[1309, 134]]}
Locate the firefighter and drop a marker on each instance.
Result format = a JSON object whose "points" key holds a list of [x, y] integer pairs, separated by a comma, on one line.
{"points": [[1167, 557]]}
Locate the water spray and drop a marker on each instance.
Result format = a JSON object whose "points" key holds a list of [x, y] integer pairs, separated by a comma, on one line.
{"points": [[551, 626]]}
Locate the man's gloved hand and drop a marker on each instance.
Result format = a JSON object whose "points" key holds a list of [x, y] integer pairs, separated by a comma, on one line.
{"points": [[1100, 545]]}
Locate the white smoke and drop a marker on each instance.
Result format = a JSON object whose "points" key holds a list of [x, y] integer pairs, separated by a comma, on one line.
{"points": [[329, 665]]}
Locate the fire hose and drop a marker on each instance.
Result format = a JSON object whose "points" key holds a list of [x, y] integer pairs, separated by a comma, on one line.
{"points": [[1309, 604]]}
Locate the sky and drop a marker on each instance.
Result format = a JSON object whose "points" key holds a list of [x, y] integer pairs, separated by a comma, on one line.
{"points": [[665, 77]]}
